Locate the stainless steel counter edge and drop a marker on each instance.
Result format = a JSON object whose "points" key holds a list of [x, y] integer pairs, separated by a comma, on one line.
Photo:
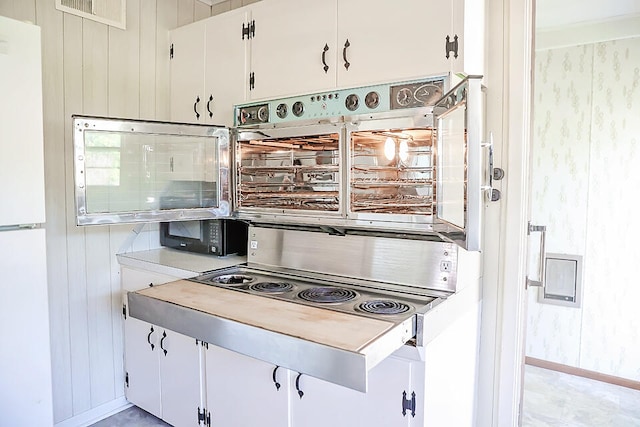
{"points": [[328, 363]]}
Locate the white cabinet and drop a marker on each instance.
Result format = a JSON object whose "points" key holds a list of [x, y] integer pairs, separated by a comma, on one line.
{"points": [[241, 391], [187, 73], [396, 40], [162, 372], [288, 47], [324, 404], [208, 69]]}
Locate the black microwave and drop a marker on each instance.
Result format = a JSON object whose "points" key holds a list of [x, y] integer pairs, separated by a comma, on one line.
{"points": [[219, 237]]}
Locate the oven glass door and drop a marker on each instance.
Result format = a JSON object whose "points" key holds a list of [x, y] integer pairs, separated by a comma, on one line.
{"points": [[130, 171], [459, 165]]}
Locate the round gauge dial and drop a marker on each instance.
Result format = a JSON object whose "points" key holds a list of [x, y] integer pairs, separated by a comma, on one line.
{"points": [[263, 114], [372, 100], [404, 97], [427, 94], [352, 102], [282, 110], [297, 109]]}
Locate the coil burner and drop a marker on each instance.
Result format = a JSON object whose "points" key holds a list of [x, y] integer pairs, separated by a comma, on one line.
{"points": [[381, 306], [327, 295], [232, 279], [271, 287]]}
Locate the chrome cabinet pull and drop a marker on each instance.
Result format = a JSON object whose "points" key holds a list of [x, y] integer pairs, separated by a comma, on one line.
{"points": [[542, 229], [324, 61], [344, 54]]}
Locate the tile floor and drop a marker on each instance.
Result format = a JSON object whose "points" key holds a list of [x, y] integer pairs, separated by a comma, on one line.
{"points": [[554, 399], [551, 399]]}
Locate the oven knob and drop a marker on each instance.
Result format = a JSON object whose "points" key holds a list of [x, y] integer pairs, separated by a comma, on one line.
{"points": [[281, 110], [263, 114], [352, 102], [244, 116], [297, 109], [404, 97], [372, 100]]}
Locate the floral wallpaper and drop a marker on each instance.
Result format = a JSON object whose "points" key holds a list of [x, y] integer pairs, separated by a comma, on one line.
{"points": [[586, 174]]}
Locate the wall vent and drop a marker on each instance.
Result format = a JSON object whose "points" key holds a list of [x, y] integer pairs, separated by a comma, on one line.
{"points": [[110, 12]]}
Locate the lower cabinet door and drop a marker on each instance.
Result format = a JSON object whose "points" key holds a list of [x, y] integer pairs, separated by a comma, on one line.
{"points": [[179, 378], [242, 392], [317, 403], [326, 404], [142, 387]]}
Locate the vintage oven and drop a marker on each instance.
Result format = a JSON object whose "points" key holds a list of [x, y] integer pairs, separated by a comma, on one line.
{"points": [[365, 204]]}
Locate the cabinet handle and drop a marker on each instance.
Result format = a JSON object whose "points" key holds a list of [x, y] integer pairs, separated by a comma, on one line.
{"points": [[275, 381], [324, 61], [344, 54], [149, 339], [195, 104], [208, 103], [300, 392], [164, 335]]}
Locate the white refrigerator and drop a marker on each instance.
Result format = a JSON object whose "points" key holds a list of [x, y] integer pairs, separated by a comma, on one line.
{"points": [[25, 354]]}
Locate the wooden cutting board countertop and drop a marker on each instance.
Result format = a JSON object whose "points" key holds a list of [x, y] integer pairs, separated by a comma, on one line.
{"points": [[340, 330]]}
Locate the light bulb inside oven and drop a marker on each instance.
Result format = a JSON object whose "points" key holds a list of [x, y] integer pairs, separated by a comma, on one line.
{"points": [[403, 151], [390, 149]]}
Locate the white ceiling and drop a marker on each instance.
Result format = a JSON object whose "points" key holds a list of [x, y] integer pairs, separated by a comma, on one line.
{"points": [[553, 13]]}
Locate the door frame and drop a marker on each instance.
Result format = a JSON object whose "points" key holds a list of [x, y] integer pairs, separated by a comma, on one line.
{"points": [[509, 77]]}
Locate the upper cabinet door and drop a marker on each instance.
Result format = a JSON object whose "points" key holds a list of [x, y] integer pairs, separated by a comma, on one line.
{"points": [[393, 40], [293, 50], [226, 58], [188, 101], [141, 171], [460, 168], [21, 162]]}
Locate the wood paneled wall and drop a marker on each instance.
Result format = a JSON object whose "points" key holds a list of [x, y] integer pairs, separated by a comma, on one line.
{"points": [[90, 68]]}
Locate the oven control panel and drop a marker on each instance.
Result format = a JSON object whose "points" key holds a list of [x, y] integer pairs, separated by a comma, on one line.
{"points": [[343, 102]]}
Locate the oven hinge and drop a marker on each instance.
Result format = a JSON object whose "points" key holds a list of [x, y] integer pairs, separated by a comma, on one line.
{"points": [[408, 404]]}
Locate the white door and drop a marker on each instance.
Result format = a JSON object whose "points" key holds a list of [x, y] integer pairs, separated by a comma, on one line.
{"points": [[241, 391], [325, 404], [21, 162], [226, 75], [179, 378], [188, 102], [389, 383], [288, 48], [142, 366], [392, 41]]}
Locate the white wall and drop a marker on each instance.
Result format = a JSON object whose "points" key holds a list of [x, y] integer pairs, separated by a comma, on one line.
{"points": [[90, 68], [586, 153]]}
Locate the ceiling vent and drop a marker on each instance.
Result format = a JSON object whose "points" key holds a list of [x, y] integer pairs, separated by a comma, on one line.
{"points": [[110, 12]]}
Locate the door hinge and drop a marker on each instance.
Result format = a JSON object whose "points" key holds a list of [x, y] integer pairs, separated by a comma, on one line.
{"points": [[451, 46], [249, 30], [208, 419], [201, 416], [408, 404], [126, 379], [252, 81], [171, 51], [124, 311]]}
